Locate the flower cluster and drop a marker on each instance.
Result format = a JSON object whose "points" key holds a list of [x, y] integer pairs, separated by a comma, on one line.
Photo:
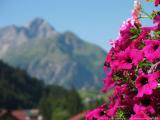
{"points": [[134, 73], [157, 2]]}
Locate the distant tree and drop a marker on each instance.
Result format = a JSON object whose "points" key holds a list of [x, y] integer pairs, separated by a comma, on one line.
{"points": [[75, 100], [17, 89], [59, 103]]}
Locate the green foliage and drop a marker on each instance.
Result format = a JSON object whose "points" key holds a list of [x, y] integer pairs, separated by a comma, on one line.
{"points": [[154, 14], [17, 89], [92, 98], [59, 103], [141, 46], [116, 77], [119, 75], [145, 65], [157, 34], [60, 114], [150, 0], [135, 32], [121, 115]]}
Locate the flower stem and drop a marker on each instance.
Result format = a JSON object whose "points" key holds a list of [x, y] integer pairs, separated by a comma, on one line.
{"points": [[154, 66], [143, 17], [149, 16]]}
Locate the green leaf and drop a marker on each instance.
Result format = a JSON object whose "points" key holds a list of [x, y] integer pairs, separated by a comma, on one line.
{"points": [[149, 0], [122, 114], [119, 76], [133, 37], [135, 32], [145, 65], [116, 77], [141, 45]]}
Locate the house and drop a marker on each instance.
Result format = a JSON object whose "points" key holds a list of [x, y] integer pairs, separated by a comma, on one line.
{"points": [[12, 115], [20, 115], [78, 116]]}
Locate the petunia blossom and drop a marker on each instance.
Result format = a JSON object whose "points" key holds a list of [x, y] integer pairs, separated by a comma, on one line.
{"points": [[113, 108], [140, 113], [108, 82], [129, 57], [157, 19], [140, 116], [145, 104], [146, 83], [152, 50], [98, 114], [122, 40], [132, 67], [156, 2]]}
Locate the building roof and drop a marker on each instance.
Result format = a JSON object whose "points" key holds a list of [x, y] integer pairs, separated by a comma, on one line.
{"points": [[78, 116]]}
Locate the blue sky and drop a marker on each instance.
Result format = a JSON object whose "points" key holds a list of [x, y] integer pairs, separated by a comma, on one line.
{"points": [[96, 21]]}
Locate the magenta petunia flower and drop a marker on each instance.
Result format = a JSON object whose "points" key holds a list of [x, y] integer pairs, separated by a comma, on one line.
{"points": [[145, 104], [123, 41], [115, 64], [113, 108], [140, 113], [129, 57], [152, 50], [121, 90], [157, 2], [97, 114], [126, 26], [157, 118], [133, 71], [146, 83], [157, 19], [108, 82], [109, 58], [140, 116]]}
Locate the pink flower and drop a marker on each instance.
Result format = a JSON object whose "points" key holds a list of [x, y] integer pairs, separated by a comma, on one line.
{"points": [[113, 43], [138, 108], [118, 90], [157, 118], [152, 49], [109, 58], [140, 116], [123, 41], [115, 64], [129, 57], [140, 113], [145, 104], [138, 41], [126, 26], [136, 12], [98, 114], [108, 82], [157, 2], [157, 19], [135, 51], [113, 108], [146, 83]]}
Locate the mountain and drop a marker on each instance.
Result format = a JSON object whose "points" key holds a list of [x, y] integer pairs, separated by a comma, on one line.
{"points": [[57, 58], [13, 36]]}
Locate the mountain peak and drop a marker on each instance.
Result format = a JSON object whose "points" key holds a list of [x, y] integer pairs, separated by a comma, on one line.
{"points": [[39, 27], [39, 22], [56, 58]]}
